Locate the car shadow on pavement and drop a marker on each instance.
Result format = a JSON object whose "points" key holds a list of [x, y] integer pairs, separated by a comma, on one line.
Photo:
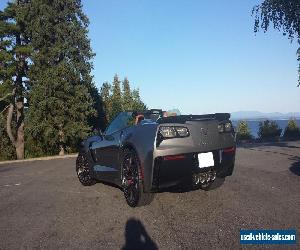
{"points": [[295, 167], [136, 236], [109, 184]]}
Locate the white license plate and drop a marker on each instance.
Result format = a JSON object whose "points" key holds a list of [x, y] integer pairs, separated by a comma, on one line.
{"points": [[206, 160]]}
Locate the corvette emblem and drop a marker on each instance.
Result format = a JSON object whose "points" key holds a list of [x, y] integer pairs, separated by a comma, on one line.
{"points": [[204, 131]]}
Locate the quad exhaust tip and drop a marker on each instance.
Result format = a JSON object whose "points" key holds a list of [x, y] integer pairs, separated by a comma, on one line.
{"points": [[206, 177]]}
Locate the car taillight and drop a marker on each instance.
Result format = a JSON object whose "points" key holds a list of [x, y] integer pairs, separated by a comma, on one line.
{"points": [[169, 132], [225, 127], [229, 150], [173, 157]]}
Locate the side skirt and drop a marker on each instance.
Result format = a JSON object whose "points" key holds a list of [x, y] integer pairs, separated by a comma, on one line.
{"points": [[104, 173]]}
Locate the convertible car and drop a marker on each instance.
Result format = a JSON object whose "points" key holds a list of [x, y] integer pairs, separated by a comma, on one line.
{"points": [[144, 152]]}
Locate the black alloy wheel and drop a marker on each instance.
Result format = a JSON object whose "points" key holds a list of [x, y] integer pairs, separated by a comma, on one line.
{"points": [[83, 170], [132, 180]]}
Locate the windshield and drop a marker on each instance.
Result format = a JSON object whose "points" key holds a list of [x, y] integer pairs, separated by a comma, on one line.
{"points": [[122, 120]]}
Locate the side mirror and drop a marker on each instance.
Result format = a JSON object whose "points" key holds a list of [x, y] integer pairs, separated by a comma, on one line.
{"points": [[109, 137]]}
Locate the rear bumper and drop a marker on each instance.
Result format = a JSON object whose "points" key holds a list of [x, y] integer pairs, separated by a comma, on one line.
{"points": [[174, 169]]}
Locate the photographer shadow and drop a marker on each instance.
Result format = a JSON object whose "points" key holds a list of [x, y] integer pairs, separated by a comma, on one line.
{"points": [[136, 236]]}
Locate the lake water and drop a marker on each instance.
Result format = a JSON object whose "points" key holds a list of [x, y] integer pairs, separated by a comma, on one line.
{"points": [[253, 125]]}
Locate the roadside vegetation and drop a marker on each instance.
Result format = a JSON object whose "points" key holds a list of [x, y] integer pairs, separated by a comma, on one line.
{"points": [[268, 131], [292, 131], [243, 131], [48, 100]]}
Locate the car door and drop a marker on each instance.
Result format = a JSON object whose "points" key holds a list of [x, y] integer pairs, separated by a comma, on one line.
{"points": [[107, 151]]}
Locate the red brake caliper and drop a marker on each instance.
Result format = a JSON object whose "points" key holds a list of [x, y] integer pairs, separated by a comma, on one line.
{"points": [[129, 178], [130, 181]]}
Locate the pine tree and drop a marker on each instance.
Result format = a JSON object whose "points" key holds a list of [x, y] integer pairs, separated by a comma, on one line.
{"points": [[106, 99], [14, 56], [60, 98], [292, 131], [243, 131], [127, 95], [97, 122], [115, 100], [131, 98], [116, 97], [137, 103]]}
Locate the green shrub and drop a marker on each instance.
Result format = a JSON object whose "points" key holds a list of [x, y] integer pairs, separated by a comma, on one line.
{"points": [[269, 130], [292, 131], [243, 131]]}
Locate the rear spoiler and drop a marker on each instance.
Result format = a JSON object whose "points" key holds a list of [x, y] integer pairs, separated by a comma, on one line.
{"points": [[184, 118]]}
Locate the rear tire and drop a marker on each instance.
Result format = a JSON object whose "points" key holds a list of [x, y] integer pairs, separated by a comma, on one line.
{"points": [[83, 170], [132, 182]]}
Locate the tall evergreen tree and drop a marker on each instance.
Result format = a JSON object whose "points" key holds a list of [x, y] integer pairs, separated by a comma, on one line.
{"points": [[115, 100], [137, 103], [14, 56], [116, 97], [127, 96], [97, 122], [105, 93], [60, 98]]}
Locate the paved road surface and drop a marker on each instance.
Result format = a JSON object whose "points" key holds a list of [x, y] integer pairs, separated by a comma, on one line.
{"points": [[43, 205]]}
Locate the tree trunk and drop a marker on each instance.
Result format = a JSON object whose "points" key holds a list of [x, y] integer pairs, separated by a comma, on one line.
{"points": [[61, 150], [61, 141], [20, 130], [8, 124], [18, 142], [17, 100], [20, 150]]}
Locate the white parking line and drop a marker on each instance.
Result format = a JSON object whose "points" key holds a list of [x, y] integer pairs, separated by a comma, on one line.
{"points": [[11, 185]]}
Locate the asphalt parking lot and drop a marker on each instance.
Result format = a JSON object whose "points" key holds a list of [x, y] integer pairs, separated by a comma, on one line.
{"points": [[43, 205]]}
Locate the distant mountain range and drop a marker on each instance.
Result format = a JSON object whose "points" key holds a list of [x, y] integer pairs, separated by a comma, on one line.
{"points": [[256, 115]]}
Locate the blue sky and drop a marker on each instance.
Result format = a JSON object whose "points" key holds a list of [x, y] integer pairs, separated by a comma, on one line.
{"points": [[198, 56]]}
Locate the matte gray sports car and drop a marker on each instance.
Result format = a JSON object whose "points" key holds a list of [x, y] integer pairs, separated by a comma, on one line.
{"points": [[143, 152]]}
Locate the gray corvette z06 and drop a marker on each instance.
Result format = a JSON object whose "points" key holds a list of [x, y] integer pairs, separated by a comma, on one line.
{"points": [[144, 152]]}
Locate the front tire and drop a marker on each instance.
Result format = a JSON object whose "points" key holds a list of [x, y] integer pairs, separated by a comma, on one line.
{"points": [[83, 170], [132, 180]]}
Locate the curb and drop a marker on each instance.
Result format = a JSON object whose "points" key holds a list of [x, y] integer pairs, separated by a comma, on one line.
{"points": [[47, 158]]}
